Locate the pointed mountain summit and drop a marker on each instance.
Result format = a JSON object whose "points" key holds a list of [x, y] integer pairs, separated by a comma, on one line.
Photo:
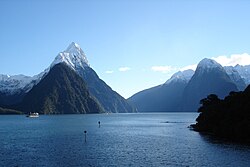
{"points": [[209, 78], [14, 88], [73, 56], [206, 65], [52, 92]]}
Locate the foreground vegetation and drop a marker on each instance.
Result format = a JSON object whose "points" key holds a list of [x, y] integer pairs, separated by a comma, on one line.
{"points": [[228, 118]]}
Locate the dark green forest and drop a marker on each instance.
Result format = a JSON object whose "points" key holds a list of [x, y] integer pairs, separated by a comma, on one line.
{"points": [[228, 118]]}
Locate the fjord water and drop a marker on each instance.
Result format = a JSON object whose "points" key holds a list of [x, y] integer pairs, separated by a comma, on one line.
{"points": [[143, 139]]}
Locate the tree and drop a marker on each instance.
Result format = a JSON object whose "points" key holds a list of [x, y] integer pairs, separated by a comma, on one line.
{"points": [[211, 99]]}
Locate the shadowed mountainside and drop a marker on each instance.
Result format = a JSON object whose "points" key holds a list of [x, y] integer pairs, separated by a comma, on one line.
{"points": [[61, 91]]}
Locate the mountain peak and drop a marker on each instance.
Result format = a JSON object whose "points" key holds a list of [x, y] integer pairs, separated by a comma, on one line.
{"points": [[208, 63], [73, 47], [73, 56], [185, 76]]}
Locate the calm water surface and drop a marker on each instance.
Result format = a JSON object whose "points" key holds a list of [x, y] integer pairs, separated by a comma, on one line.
{"points": [[160, 139]]}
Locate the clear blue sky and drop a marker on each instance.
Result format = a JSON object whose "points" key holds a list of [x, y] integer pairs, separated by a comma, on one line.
{"points": [[137, 34]]}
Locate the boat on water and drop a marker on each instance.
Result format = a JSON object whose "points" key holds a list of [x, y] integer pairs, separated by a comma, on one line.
{"points": [[33, 115]]}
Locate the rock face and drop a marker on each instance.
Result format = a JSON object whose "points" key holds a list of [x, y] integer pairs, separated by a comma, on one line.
{"points": [[209, 78], [228, 118], [166, 97], [61, 91]]}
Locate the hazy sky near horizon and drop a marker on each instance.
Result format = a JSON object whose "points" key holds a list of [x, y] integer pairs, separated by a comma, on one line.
{"points": [[131, 44]]}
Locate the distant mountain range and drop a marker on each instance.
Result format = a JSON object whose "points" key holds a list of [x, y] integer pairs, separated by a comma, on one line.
{"points": [[184, 90], [68, 86]]}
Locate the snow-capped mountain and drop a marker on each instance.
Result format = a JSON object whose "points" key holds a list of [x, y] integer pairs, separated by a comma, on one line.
{"points": [[244, 72], [209, 78], [184, 90], [206, 65], [76, 59], [16, 83], [9, 84], [235, 77], [184, 76], [73, 56], [13, 88], [19, 83]]}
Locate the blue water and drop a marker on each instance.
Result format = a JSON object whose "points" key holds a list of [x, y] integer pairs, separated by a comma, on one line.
{"points": [[160, 139]]}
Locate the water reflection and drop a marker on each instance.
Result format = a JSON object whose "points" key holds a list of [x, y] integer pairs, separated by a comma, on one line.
{"points": [[122, 140], [211, 139]]}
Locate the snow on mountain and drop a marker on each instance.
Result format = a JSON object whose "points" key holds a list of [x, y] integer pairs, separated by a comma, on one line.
{"points": [[239, 74], [10, 84], [208, 64], [235, 77], [17, 83], [73, 56], [184, 76], [244, 72], [204, 65]]}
